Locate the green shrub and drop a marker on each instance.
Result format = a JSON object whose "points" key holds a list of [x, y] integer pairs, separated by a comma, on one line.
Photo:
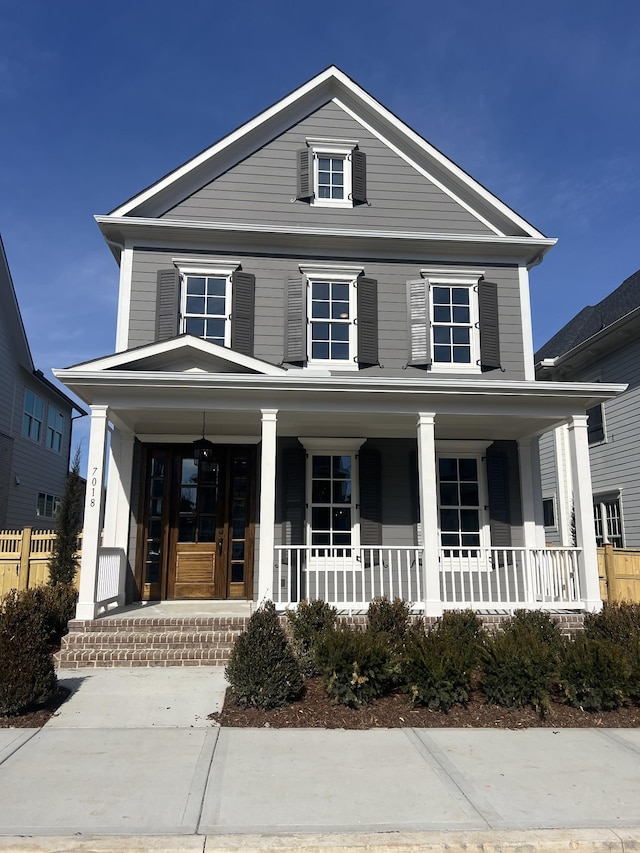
{"points": [[306, 624], [355, 665], [594, 674], [435, 671], [619, 623], [64, 561], [464, 630], [262, 669], [391, 618], [520, 663], [27, 675], [58, 605]]}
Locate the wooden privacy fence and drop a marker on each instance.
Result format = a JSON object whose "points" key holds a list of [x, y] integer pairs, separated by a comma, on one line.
{"points": [[24, 558], [619, 570]]}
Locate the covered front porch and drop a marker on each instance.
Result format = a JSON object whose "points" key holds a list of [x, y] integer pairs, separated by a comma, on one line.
{"points": [[347, 487]]}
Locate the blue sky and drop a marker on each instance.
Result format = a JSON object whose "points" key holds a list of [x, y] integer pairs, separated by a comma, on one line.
{"points": [[540, 103]]}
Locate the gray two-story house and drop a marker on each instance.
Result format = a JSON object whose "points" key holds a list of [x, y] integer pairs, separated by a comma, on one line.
{"points": [[323, 383], [35, 424], [600, 344]]}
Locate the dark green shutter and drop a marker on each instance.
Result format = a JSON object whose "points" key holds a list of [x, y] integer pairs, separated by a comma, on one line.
{"points": [[499, 496], [489, 328], [304, 189], [243, 286], [294, 477], [418, 324], [370, 497], [367, 294], [295, 349], [358, 176], [167, 304]]}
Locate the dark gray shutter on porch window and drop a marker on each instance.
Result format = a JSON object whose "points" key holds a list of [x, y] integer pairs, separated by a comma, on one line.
{"points": [[294, 460], [167, 304], [370, 496], [304, 189], [489, 328], [499, 496], [358, 177], [295, 347], [418, 324], [367, 294], [243, 286]]}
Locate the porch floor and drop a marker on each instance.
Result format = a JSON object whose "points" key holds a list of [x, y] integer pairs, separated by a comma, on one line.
{"points": [[180, 609]]}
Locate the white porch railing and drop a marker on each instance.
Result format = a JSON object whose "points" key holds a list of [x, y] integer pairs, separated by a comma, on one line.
{"points": [[479, 578], [510, 578]]}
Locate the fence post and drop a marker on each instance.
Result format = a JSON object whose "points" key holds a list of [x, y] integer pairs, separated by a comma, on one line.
{"points": [[610, 573], [25, 558]]}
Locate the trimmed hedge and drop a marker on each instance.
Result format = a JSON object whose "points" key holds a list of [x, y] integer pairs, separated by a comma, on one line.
{"points": [[306, 625], [356, 666]]}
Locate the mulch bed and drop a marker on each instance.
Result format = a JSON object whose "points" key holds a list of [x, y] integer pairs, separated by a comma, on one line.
{"points": [[35, 716], [315, 710]]}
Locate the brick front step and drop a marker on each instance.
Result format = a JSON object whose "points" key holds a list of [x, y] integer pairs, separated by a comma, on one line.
{"points": [[134, 641]]}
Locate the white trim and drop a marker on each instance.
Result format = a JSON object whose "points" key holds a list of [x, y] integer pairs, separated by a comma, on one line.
{"points": [[185, 342], [527, 323], [331, 270], [269, 426], [207, 262], [332, 79], [124, 299], [454, 273], [326, 143], [421, 170]]}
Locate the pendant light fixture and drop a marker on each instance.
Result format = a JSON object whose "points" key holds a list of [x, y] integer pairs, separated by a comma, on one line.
{"points": [[202, 447]]}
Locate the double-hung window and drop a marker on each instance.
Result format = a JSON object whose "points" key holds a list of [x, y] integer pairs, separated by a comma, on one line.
{"points": [[607, 514], [206, 305], [453, 321], [55, 429], [331, 326], [332, 173], [32, 416], [461, 499]]}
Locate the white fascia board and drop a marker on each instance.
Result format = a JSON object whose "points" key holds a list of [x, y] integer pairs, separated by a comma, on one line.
{"points": [[225, 142], [184, 342], [421, 171], [529, 245], [329, 76], [295, 382]]}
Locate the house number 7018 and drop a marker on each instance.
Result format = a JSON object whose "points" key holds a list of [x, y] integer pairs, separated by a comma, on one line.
{"points": [[94, 483]]}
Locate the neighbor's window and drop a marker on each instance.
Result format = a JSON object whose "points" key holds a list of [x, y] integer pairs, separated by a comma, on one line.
{"points": [[549, 512], [55, 429], [47, 505], [595, 424], [32, 416], [608, 521]]}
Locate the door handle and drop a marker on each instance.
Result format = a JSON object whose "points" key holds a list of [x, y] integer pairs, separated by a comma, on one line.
{"points": [[220, 546]]}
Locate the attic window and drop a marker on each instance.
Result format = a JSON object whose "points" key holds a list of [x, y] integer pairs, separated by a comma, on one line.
{"points": [[331, 173]]}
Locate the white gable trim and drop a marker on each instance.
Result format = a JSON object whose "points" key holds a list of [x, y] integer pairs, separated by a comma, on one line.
{"points": [[334, 81], [419, 169], [184, 343]]}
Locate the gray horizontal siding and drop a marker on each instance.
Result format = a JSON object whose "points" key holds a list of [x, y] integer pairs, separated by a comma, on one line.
{"points": [[263, 187], [271, 275], [549, 478]]}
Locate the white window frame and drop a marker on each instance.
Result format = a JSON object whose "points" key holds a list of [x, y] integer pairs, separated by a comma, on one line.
{"points": [[467, 450], [459, 278], [602, 517], [340, 149], [54, 436], [208, 270], [335, 447], [52, 500], [341, 275], [29, 418]]}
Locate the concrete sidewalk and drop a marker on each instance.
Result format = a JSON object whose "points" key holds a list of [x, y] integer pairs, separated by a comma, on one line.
{"points": [[132, 763]]}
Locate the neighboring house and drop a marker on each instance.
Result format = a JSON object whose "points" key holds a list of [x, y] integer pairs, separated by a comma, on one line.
{"points": [[35, 425], [333, 319], [600, 344]]}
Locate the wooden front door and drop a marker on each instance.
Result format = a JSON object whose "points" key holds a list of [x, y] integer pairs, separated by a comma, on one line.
{"points": [[198, 530]]}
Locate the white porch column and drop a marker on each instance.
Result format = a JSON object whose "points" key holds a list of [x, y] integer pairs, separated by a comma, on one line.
{"points": [[429, 513], [583, 512], [267, 504], [86, 607], [118, 500], [530, 494]]}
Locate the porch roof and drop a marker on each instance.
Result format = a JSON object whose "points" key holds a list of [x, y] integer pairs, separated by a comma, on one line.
{"points": [[168, 405]]}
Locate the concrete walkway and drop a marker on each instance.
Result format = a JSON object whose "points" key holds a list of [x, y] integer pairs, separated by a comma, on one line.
{"points": [[132, 763]]}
